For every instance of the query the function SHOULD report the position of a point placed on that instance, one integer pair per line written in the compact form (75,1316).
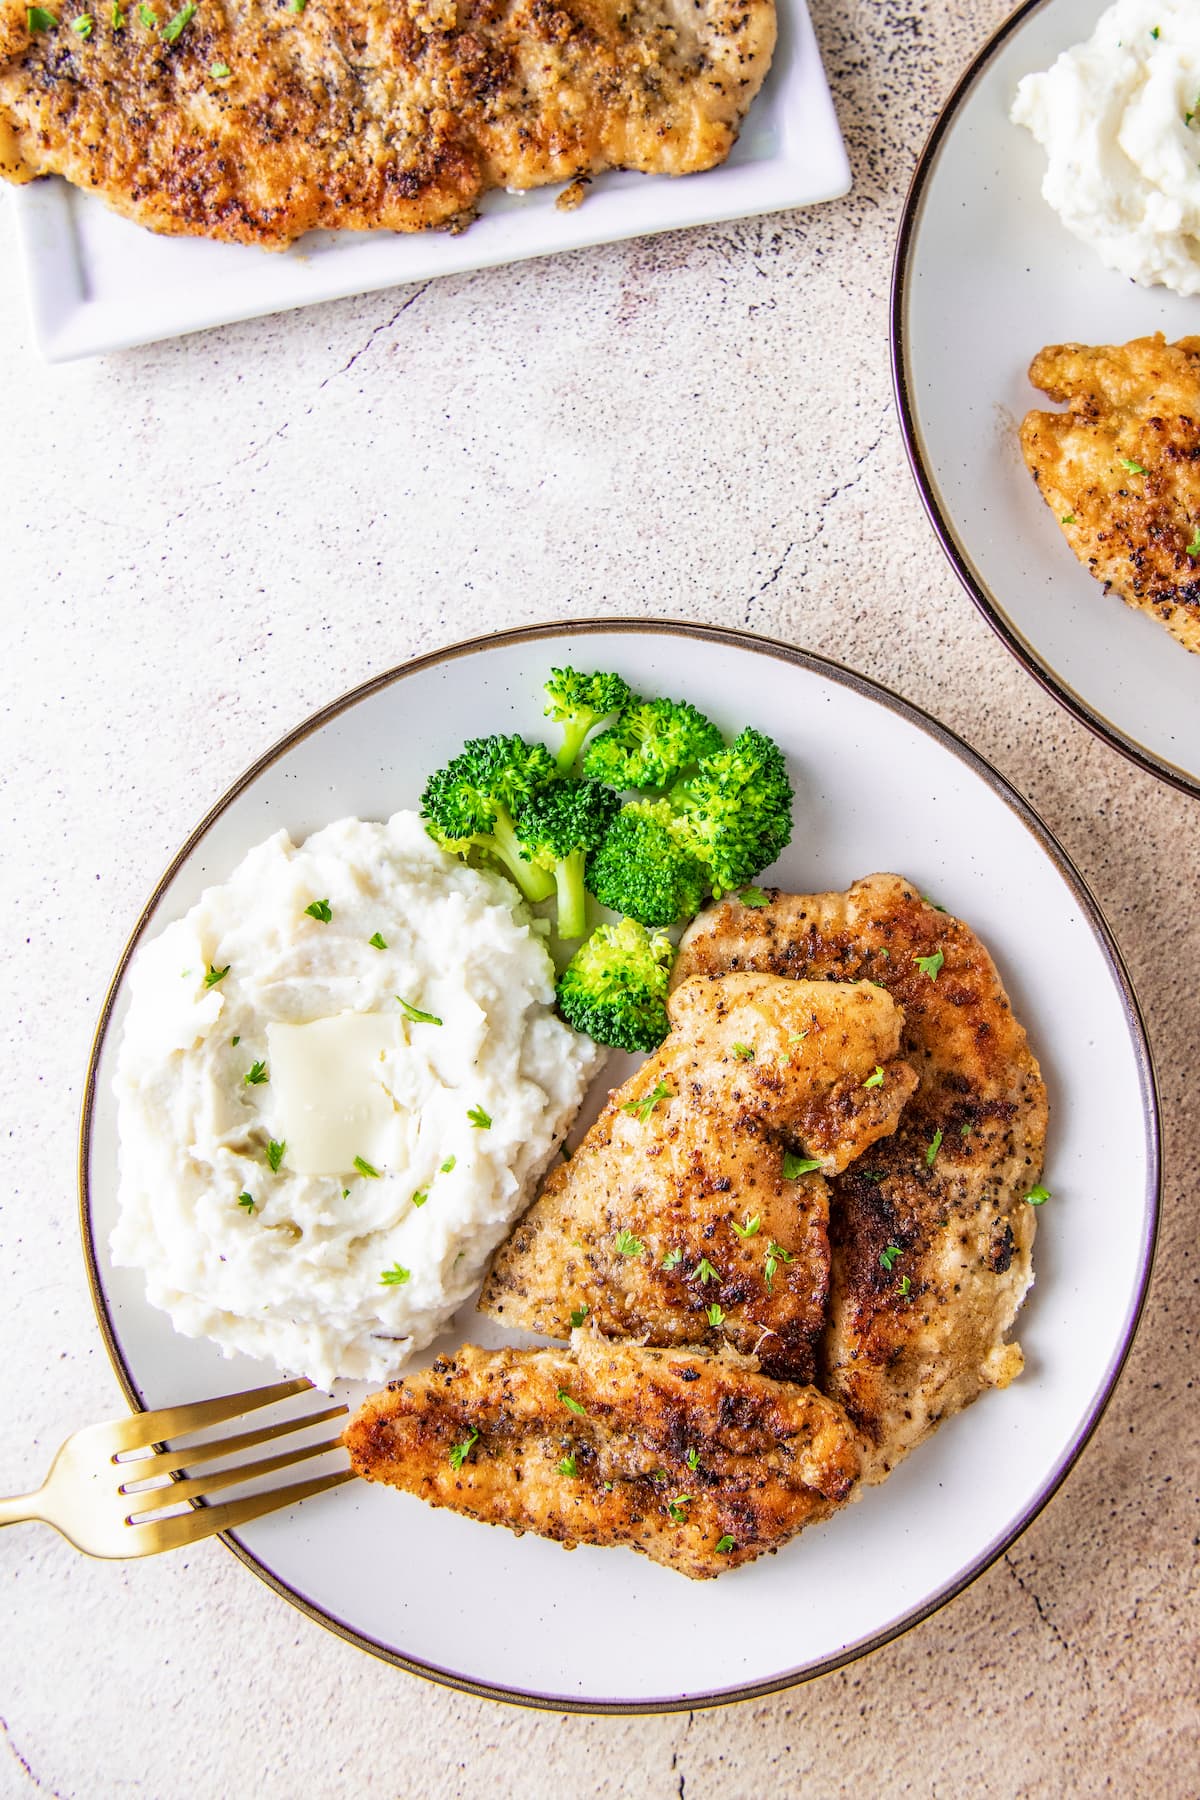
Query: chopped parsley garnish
(1154,31)
(477,1117)
(567,1466)
(1038,1196)
(364,1168)
(795,1166)
(776,1254)
(693,1460)
(678,1508)
(748,1227)
(396,1276)
(117,18)
(904,1289)
(934,1146)
(1134,468)
(235,1041)
(297,6)
(83,26)
(460,1452)
(415,1014)
(725,1544)
(628,1245)
(744,1052)
(705,1270)
(933,903)
(420,1197)
(754,896)
(930,965)
(716,1316)
(149,17)
(215,975)
(641,1109)
(578,1316)
(256,1074)
(220,71)
(966,1130)
(246,1200)
(447,1165)
(890,1255)
(275,1155)
(672,1259)
(570,1404)
(875,1080)
(316,909)
(377,939)
(172,31)
(1067,519)
(38,19)
(1193,548)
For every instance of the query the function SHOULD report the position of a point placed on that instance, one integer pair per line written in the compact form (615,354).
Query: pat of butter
(328,1094)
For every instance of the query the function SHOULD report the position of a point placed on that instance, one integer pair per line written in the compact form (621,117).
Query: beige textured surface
(201,542)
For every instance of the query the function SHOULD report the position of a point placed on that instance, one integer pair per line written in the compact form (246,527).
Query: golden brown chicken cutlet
(1120,468)
(693,1459)
(930,1233)
(695,1210)
(259,121)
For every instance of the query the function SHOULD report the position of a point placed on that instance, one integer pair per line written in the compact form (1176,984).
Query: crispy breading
(357,114)
(696,1460)
(1120,469)
(674,1220)
(942,1200)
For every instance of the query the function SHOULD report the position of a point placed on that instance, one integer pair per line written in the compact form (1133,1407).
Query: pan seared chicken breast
(695,1209)
(694,1459)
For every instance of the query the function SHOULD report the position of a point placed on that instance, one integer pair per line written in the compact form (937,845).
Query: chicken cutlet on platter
(930,1234)
(695,1459)
(1120,468)
(695,1210)
(256,122)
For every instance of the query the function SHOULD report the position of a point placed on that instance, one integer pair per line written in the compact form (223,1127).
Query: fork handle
(22,1509)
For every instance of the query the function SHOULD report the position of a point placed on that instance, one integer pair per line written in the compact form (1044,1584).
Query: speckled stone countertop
(203,541)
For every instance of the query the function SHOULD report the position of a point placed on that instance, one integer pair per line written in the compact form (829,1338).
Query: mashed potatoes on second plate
(327,1123)
(1119,119)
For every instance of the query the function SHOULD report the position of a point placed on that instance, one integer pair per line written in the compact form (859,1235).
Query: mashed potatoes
(1119,118)
(311,1170)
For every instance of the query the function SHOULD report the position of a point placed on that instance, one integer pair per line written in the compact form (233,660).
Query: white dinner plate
(880,786)
(985,276)
(97,282)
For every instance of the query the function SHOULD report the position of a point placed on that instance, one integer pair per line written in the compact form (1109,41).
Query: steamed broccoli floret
(472,804)
(735,811)
(651,743)
(615,986)
(646,868)
(559,825)
(578,702)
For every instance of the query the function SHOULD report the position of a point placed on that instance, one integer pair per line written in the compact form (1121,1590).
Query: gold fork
(107,1482)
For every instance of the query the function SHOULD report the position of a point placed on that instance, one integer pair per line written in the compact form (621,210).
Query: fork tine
(205,1521)
(144,1467)
(172,1492)
(142,1429)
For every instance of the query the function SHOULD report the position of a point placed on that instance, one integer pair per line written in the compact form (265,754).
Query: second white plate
(879,786)
(97,282)
(985,276)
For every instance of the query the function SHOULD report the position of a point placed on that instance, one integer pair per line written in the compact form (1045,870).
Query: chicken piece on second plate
(695,1209)
(1120,469)
(694,1459)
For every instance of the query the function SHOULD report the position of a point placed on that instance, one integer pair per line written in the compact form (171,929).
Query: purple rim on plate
(910,219)
(1092,916)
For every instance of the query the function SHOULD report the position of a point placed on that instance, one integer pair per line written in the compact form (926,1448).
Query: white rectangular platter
(96,282)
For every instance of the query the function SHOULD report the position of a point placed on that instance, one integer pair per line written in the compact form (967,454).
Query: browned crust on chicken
(767,1458)
(680,1226)
(1120,469)
(906,1346)
(357,114)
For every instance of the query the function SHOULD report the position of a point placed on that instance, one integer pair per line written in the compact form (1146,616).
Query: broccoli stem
(505,846)
(574,731)
(572,899)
